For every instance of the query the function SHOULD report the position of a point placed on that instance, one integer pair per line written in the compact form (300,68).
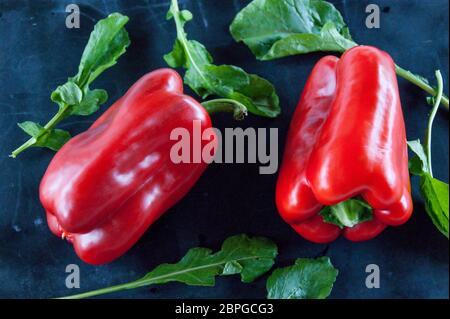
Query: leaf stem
(29,143)
(149,281)
(416,80)
(226,105)
(58,117)
(104,291)
(440,88)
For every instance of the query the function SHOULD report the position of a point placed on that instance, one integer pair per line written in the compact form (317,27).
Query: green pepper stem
(416,80)
(226,105)
(348,213)
(438,98)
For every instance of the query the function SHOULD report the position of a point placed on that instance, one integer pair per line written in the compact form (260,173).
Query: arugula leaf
(277,28)
(329,39)
(348,213)
(418,164)
(53,139)
(68,93)
(239,255)
(92,99)
(248,257)
(434,191)
(436,197)
(306,279)
(107,42)
(274,28)
(233,83)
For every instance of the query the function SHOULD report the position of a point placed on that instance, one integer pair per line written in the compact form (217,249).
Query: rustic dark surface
(37,53)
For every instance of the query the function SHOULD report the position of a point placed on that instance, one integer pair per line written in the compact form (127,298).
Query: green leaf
(306,279)
(250,257)
(278,28)
(227,81)
(197,76)
(259,96)
(418,164)
(31,128)
(107,43)
(436,195)
(90,103)
(329,39)
(231,268)
(69,94)
(52,139)
(186,16)
(176,58)
(55,139)
(255,256)
(348,213)
(434,192)
(191,270)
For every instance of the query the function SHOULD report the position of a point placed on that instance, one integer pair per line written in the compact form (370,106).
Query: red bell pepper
(347,139)
(106,186)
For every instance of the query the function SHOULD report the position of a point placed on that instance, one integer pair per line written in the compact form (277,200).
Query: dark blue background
(37,53)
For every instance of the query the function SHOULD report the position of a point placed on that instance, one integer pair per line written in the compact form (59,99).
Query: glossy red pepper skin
(347,138)
(106,186)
